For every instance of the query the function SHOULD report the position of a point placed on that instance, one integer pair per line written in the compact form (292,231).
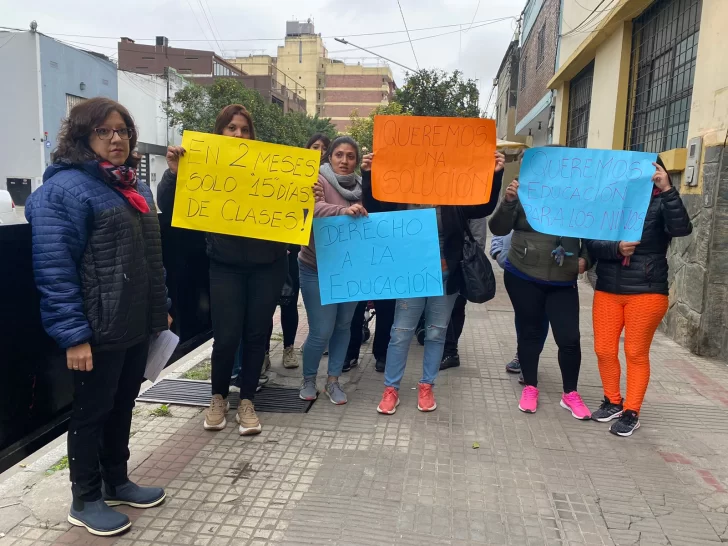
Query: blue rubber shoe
(98,518)
(133,495)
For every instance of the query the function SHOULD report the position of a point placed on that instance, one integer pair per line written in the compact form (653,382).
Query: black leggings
(532,302)
(98,433)
(382,329)
(455,328)
(289,310)
(242,303)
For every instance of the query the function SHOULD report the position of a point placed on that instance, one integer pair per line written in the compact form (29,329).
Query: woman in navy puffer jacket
(97,261)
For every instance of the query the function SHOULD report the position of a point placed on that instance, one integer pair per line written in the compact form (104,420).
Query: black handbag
(478,278)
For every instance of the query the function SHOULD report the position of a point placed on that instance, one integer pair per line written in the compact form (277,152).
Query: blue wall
(62,69)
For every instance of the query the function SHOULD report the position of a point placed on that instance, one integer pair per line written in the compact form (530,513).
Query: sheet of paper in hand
(245,187)
(388,255)
(585,193)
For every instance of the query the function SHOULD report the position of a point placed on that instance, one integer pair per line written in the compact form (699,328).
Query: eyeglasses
(125,133)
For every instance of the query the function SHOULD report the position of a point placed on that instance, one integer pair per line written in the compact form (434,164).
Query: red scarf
(124,180)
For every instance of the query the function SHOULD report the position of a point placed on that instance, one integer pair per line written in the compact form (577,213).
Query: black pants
(98,432)
(455,328)
(382,329)
(242,303)
(289,310)
(532,303)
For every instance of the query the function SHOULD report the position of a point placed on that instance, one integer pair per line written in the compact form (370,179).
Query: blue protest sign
(585,193)
(388,255)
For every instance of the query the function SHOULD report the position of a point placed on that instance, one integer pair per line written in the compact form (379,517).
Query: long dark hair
(73,138)
(227,114)
(319,136)
(339,141)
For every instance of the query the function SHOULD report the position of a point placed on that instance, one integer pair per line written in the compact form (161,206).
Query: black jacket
(647,270)
(97,261)
(453,225)
(226,249)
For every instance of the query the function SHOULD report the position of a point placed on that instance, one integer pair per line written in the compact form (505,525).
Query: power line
(198,24)
(408,35)
(209,25)
(425,37)
(593,12)
(474,15)
(476,23)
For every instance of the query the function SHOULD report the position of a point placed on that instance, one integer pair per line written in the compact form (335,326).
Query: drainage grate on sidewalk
(188,392)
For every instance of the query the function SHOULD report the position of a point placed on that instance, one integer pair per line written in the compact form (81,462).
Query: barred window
(580,93)
(541,52)
(524,64)
(71,101)
(662,69)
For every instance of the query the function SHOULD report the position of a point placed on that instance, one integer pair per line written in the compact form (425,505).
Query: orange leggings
(639,315)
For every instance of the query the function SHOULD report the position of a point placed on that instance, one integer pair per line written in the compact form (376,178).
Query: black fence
(36,388)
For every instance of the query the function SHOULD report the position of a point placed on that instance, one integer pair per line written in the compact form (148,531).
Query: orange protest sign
(433,161)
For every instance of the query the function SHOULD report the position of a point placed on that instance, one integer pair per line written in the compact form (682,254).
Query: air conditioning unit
(162,41)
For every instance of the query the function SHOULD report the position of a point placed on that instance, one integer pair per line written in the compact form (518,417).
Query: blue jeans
(438,310)
(327,325)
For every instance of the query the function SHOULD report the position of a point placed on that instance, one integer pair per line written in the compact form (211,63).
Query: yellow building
(651,75)
(333,89)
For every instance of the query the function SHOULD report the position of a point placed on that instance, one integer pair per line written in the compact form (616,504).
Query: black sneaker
(608,411)
(452,361)
(380,365)
(350,364)
(627,424)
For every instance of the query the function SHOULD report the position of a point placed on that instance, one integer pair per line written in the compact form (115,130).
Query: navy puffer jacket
(97,261)
(647,270)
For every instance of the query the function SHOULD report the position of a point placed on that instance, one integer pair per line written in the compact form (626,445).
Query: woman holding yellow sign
(246,277)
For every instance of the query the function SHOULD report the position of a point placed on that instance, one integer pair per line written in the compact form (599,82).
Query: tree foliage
(362,129)
(437,93)
(195,108)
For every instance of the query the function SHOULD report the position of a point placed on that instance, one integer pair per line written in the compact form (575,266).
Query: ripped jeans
(406,316)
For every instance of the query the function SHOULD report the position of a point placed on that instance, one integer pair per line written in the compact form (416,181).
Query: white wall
(21,148)
(144,95)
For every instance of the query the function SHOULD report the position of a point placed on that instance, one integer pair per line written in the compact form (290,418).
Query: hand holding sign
(244,187)
(585,193)
(433,161)
(387,255)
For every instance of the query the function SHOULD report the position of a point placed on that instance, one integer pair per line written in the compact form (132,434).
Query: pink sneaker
(573,402)
(529,400)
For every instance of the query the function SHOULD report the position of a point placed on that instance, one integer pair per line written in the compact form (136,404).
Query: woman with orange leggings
(631,295)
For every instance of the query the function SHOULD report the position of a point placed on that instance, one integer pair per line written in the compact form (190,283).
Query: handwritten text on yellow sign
(246,188)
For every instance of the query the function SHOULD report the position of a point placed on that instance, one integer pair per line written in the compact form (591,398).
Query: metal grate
(187,392)
(662,69)
(71,101)
(580,92)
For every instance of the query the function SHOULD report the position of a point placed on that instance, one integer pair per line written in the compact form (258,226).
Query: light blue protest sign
(388,255)
(586,193)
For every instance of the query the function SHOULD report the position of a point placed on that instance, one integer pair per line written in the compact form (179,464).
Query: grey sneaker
(335,393)
(308,389)
(290,360)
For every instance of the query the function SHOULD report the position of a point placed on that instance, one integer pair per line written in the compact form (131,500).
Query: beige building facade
(332,88)
(651,75)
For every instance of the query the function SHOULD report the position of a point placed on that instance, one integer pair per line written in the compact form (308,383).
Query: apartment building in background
(539,43)
(651,76)
(506,81)
(333,88)
(204,67)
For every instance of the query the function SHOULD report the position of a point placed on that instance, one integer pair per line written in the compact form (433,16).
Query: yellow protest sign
(245,187)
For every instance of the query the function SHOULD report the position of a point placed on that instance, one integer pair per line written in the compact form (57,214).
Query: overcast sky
(246,27)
